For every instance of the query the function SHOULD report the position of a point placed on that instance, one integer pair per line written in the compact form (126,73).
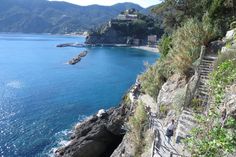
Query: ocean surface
(42,97)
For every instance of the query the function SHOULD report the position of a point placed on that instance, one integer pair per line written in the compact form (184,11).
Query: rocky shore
(98,136)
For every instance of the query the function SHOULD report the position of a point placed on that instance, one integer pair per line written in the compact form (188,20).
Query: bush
(222,57)
(196,105)
(164,109)
(137,124)
(187,41)
(224,75)
(164,45)
(151,80)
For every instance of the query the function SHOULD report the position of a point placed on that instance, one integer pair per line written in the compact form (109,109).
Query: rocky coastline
(98,136)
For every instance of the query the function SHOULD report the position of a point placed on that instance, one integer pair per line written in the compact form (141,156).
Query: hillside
(42,16)
(129,27)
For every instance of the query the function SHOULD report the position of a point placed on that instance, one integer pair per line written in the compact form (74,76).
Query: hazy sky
(143,3)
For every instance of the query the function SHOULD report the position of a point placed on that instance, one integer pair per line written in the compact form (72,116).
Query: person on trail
(170,130)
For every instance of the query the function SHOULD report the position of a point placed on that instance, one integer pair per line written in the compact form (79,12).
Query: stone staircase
(186,123)
(205,68)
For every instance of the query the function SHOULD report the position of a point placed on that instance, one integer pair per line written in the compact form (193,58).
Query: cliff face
(109,36)
(98,136)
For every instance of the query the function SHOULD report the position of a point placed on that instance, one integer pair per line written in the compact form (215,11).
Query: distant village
(128,16)
(118,31)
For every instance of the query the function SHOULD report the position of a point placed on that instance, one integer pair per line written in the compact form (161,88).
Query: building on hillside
(136,42)
(127,17)
(152,40)
(129,14)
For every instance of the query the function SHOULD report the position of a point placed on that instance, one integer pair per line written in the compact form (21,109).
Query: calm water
(41,97)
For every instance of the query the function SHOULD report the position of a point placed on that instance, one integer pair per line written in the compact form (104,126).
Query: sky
(143,3)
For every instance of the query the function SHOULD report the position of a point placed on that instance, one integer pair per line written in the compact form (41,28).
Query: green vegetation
(224,75)
(138,28)
(229,54)
(163,111)
(138,126)
(165,45)
(188,24)
(211,139)
(178,53)
(152,80)
(174,12)
(215,138)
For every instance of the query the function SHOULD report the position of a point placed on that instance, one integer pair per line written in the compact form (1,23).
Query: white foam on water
(14,84)
(63,135)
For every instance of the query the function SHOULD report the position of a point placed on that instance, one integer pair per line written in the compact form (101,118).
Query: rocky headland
(99,135)
(129,27)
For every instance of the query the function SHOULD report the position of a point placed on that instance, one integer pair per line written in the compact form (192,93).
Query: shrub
(163,111)
(222,57)
(210,139)
(137,124)
(187,41)
(151,80)
(224,75)
(196,105)
(182,63)
(164,45)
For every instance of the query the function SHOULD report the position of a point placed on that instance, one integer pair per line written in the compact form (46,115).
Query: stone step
(188,112)
(202,89)
(200,94)
(187,118)
(210,57)
(185,122)
(203,86)
(204,73)
(203,82)
(203,77)
(205,68)
(204,92)
(208,65)
(205,61)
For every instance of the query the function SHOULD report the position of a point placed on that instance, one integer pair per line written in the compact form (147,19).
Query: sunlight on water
(41,98)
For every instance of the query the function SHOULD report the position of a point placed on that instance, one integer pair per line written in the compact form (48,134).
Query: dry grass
(137,125)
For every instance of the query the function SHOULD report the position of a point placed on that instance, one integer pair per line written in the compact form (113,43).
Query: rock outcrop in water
(74,60)
(98,136)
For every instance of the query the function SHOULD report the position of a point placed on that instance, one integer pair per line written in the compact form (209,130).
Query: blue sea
(42,97)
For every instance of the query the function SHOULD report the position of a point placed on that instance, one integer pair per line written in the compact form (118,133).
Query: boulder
(98,136)
(230,35)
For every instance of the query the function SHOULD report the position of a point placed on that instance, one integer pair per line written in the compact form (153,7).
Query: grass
(138,124)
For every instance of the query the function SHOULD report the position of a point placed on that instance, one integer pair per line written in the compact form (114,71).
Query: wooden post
(203,49)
